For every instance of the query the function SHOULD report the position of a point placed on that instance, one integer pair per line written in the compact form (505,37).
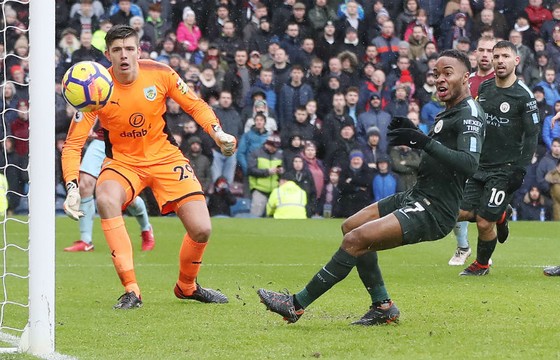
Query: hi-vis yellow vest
(265,184)
(287,202)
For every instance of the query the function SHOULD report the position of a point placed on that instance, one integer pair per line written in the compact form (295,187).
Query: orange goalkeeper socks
(190,259)
(121,252)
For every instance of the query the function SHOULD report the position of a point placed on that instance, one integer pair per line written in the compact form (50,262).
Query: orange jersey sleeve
(135,130)
(72,151)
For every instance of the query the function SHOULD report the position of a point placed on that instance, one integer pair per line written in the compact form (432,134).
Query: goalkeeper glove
(515,180)
(226,142)
(72,203)
(400,122)
(409,137)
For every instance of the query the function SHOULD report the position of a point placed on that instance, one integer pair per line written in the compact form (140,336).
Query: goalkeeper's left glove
(226,142)
(72,203)
(409,137)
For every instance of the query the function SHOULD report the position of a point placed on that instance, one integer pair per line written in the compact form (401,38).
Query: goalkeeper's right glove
(72,203)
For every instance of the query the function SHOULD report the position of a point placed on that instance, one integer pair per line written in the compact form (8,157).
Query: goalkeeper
(141,152)
(426,212)
(89,172)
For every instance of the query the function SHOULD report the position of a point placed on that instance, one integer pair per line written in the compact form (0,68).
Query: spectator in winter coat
(337,151)
(387,45)
(292,149)
(261,106)
(548,132)
(230,120)
(329,205)
(221,199)
(550,86)
(538,14)
(399,105)
(355,185)
(549,25)
(300,175)
(199,162)
(251,141)
(293,94)
(377,117)
(265,84)
(315,167)
(531,206)
(549,162)
(264,169)
(372,151)
(385,182)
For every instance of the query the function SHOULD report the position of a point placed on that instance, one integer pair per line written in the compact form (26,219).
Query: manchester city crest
(504,107)
(150,93)
(438,126)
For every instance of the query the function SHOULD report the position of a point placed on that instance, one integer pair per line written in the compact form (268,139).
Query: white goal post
(38,336)
(41,324)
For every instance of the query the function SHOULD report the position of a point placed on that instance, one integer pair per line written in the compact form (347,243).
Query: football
(87,86)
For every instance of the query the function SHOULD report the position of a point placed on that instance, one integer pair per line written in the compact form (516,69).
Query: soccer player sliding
(428,211)
(141,153)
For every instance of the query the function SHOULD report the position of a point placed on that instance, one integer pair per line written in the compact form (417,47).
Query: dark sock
(484,250)
(336,270)
(370,274)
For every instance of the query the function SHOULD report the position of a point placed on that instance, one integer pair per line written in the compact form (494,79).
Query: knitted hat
(356,153)
(187,11)
(382,12)
(406,77)
(374,95)
(460,15)
(374,130)
(383,158)
(194,139)
(335,170)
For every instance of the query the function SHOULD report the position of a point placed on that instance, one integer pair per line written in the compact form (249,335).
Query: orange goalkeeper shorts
(173,183)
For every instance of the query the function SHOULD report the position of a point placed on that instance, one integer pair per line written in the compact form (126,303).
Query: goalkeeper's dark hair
(504,44)
(459,55)
(120,32)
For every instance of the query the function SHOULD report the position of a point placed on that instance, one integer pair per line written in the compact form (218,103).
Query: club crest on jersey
(150,93)
(78,117)
(504,107)
(182,86)
(438,127)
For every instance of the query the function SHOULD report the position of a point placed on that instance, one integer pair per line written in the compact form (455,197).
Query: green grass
(511,314)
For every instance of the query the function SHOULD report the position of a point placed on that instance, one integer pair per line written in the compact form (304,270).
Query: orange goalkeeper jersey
(136,132)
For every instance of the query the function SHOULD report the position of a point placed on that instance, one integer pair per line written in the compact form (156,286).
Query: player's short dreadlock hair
(120,32)
(504,44)
(459,55)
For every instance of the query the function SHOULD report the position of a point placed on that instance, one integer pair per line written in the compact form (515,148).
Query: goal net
(27,184)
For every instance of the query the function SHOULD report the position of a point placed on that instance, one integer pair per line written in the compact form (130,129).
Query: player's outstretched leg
(502,226)
(128,300)
(137,208)
(383,312)
(87,206)
(463,250)
(282,304)
(333,272)
(552,271)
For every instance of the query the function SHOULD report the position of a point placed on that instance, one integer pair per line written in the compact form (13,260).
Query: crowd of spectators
(308,87)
